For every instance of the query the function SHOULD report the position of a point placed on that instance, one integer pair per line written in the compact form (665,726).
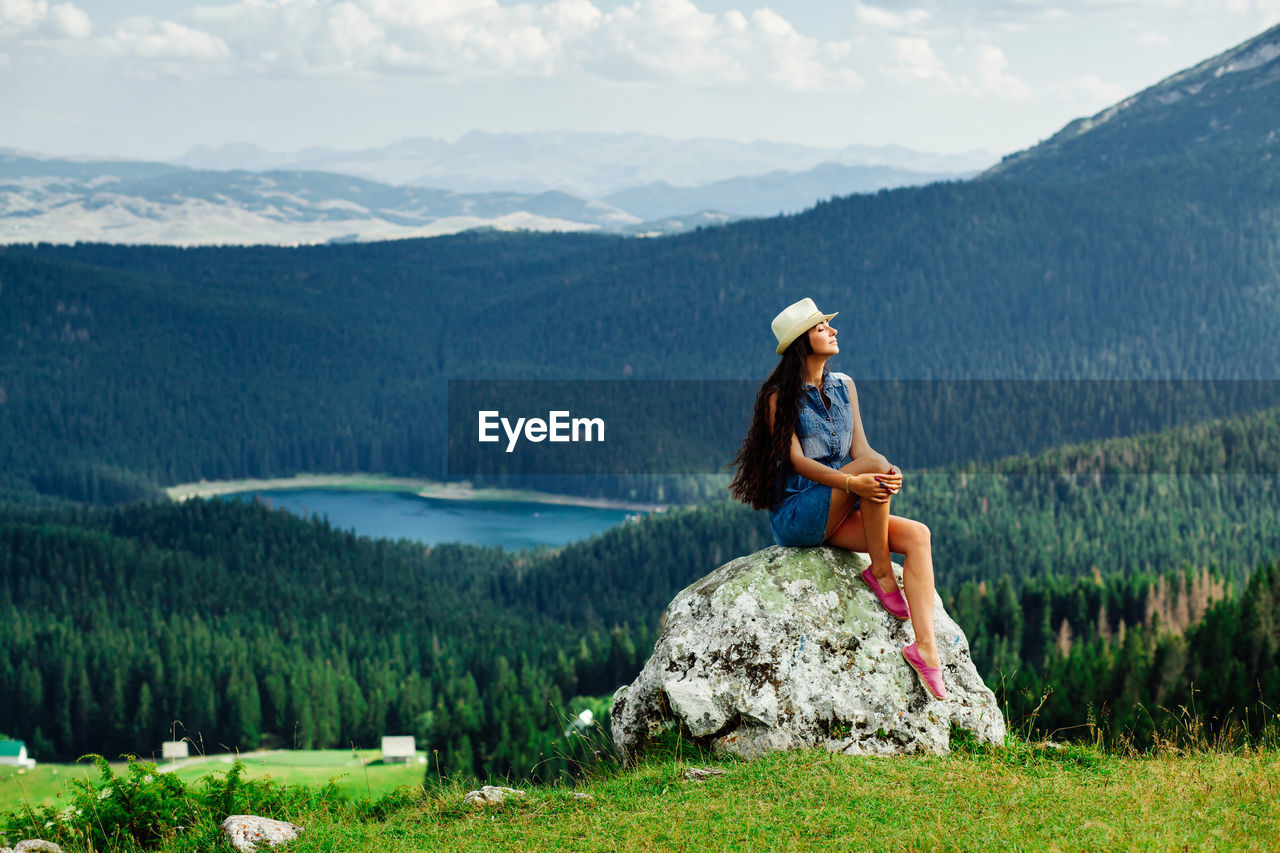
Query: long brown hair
(764,460)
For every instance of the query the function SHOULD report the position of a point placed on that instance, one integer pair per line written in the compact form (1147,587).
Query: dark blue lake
(513,525)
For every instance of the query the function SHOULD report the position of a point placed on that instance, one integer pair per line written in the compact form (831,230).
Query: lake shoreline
(406,485)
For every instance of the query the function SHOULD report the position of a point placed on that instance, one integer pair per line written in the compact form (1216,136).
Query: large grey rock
(787,648)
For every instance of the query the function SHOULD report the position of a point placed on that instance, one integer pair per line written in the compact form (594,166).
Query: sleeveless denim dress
(800,517)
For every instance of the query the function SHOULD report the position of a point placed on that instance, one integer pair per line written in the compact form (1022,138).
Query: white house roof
(398,747)
(174,749)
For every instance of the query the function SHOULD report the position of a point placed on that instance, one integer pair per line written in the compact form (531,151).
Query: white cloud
(914,57)
(874,16)
(992,77)
(1090,91)
(36,18)
(148,38)
(1152,38)
(978,71)
(640,40)
(69,21)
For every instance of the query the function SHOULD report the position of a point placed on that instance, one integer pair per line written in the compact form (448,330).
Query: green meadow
(1024,796)
(356,773)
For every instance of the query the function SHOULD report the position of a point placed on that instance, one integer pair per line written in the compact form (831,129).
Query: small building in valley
(398,748)
(14,754)
(174,749)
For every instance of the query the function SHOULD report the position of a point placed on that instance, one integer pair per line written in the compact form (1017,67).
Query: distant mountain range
(588,165)
(769,194)
(117,201)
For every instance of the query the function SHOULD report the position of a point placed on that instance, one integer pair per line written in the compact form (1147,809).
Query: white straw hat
(795,319)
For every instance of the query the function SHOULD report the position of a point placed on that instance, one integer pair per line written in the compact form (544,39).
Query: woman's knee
(866,465)
(919,536)
(879,464)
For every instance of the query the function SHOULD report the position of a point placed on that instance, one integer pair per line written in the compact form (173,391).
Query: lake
(513,525)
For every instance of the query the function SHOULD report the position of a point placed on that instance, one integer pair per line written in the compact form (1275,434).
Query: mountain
(588,165)
(1232,99)
(61,201)
(172,365)
(45,199)
(776,192)
(123,365)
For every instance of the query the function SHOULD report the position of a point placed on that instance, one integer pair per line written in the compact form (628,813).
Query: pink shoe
(895,602)
(930,676)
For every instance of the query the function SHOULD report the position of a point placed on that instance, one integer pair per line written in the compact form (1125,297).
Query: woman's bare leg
(913,541)
(875,521)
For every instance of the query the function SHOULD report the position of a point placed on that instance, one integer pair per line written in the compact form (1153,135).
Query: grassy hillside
(1019,798)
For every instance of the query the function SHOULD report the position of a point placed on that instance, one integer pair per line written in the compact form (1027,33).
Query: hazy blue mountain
(61,200)
(590,165)
(1230,99)
(66,201)
(18,164)
(769,194)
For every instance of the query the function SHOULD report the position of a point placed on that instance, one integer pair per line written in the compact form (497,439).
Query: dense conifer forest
(1114,576)
(1098,576)
(127,368)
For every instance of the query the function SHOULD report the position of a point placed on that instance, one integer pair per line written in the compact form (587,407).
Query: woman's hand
(876,487)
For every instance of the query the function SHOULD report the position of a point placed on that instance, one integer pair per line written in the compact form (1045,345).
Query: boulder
(787,648)
(491,795)
(32,845)
(246,831)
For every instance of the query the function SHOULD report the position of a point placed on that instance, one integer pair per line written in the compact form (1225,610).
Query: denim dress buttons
(800,516)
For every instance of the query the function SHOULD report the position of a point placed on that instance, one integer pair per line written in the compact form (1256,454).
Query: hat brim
(800,328)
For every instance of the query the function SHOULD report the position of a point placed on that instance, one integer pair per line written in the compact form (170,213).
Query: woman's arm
(859,446)
(864,485)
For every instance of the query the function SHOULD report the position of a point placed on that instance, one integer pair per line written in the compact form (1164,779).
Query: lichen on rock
(787,648)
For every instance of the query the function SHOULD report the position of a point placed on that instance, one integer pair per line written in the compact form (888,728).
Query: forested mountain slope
(122,365)
(251,627)
(1228,100)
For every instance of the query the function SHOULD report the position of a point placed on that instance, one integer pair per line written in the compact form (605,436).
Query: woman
(806,459)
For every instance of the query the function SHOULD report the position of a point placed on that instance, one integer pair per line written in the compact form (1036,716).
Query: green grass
(354,777)
(1022,798)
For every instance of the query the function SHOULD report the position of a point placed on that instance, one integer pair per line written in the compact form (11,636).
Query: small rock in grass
(578,795)
(490,795)
(697,774)
(32,845)
(246,831)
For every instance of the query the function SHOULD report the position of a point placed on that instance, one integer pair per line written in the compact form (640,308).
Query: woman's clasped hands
(875,487)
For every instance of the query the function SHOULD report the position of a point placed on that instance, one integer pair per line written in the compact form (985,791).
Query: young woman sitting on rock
(806,459)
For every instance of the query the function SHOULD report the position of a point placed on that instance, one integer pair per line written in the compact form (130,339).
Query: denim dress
(800,517)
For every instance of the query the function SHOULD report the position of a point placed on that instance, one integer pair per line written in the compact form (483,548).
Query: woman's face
(822,339)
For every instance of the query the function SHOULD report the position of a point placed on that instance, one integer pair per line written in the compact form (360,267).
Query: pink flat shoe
(895,602)
(930,676)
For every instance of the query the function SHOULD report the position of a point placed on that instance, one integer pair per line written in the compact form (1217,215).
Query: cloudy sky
(147,78)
